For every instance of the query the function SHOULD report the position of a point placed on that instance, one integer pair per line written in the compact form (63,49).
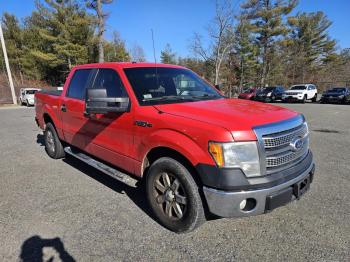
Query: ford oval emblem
(296,144)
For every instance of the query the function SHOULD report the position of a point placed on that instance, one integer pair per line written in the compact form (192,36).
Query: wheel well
(159,152)
(48,119)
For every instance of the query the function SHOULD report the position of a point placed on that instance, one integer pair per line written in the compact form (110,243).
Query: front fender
(177,141)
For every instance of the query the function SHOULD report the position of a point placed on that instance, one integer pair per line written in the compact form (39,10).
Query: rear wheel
(174,196)
(53,145)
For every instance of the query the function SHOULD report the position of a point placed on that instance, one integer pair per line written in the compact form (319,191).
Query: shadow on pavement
(136,194)
(33,250)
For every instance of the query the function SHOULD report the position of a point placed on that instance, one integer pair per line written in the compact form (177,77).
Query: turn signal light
(216,152)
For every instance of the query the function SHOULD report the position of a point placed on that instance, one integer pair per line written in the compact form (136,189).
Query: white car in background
(300,93)
(26,96)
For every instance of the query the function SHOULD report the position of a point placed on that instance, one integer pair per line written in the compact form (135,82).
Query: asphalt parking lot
(62,207)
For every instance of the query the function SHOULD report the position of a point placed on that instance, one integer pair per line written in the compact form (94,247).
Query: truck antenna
(155,60)
(154,49)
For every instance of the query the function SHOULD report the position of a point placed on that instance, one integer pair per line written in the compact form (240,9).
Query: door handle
(63,108)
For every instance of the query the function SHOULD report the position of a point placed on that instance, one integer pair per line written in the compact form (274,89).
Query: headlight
(269,94)
(243,155)
(341,96)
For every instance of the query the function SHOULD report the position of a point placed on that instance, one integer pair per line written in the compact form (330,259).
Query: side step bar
(114,173)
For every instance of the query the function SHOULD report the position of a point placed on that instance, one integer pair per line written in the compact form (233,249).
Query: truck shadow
(136,194)
(40,139)
(33,250)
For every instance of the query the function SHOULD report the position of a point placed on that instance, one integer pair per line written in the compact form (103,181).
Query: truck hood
(235,115)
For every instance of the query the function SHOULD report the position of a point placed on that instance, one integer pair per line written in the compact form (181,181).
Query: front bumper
(259,201)
(287,97)
(262,98)
(332,99)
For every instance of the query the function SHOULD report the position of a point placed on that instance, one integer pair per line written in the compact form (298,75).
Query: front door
(110,136)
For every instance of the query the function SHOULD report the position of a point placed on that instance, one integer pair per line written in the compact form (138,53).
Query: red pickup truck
(197,152)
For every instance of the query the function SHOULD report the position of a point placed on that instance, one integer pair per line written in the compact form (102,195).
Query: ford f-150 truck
(196,152)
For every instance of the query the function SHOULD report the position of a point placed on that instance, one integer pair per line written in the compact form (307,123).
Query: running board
(114,173)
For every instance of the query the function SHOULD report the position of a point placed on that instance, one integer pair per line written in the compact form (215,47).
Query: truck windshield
(164,85)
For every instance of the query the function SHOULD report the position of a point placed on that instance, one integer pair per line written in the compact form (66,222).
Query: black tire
(27,103)
(314,99)
(273,99)
(304,99)
(174,196)
(53,145)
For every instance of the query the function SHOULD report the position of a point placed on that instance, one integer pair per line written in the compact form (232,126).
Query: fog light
(243,204)
(247,204)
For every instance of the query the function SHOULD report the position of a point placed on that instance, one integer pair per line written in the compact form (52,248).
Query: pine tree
(167,56)
(115,51)
(310,43)
(266,19)
(65,33)
(247,53)
(14,43)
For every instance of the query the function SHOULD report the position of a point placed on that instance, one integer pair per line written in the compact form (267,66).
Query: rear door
(74,121)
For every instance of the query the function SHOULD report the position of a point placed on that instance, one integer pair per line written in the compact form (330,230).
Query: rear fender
(51,111)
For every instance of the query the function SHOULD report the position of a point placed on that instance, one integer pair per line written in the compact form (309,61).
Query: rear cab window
(79,82)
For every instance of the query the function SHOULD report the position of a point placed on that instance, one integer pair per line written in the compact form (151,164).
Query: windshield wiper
(205,96)
(163,98)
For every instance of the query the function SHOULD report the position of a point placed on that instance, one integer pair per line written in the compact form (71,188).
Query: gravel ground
(50,208)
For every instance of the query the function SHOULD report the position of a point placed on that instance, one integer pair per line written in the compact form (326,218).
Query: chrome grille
(292,93)
(284,138)
(278,149)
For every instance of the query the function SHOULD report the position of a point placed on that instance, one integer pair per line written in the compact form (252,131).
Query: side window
(78,83)
(109,79)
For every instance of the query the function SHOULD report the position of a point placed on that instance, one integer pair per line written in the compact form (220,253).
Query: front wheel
(174,196)
(304,99)
(314,99)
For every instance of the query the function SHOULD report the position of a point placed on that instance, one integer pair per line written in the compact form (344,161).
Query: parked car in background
(26,96)
(337,95)
(248,94)
(300,93)
(269,94)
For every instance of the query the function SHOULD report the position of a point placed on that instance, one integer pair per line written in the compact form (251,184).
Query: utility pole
(14,100)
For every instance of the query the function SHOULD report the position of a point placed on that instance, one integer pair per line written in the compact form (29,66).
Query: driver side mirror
(97,102)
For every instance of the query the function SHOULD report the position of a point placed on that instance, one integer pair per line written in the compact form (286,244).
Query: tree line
(253,43)
(260,43)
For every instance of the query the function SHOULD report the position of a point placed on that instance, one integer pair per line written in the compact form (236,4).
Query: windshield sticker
(147,96)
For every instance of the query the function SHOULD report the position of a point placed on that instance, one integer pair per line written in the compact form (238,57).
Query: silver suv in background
(300,93)
(26,96)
